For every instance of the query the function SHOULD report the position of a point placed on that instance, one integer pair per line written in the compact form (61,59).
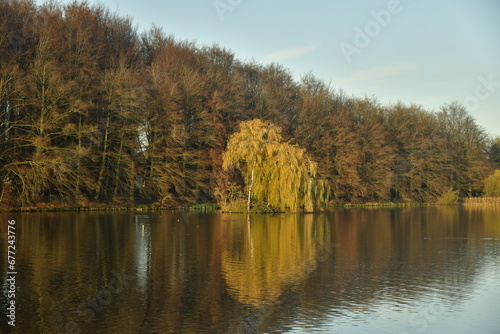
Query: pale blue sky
(427,52)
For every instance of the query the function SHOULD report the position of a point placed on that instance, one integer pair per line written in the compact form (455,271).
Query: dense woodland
(93,111)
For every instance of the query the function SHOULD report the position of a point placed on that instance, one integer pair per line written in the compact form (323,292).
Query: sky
(420,52)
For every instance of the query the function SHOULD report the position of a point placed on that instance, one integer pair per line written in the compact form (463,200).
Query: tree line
(91,110)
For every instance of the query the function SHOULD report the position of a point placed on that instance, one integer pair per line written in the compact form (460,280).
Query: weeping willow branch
(276,173)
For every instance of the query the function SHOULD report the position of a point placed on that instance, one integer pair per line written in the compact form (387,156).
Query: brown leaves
(80,87)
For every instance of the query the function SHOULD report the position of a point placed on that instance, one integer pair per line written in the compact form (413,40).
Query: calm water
(409,270)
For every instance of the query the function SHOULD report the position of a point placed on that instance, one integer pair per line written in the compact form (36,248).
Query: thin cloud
(381,72)
(291,53)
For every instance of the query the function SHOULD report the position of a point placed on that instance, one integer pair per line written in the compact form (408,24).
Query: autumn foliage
(276,174)
(492,185)
(91,110)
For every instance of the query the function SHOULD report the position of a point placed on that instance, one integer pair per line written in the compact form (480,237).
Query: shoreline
(196,207)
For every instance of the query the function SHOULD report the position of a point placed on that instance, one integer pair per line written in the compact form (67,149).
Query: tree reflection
(225,274)
(264,257)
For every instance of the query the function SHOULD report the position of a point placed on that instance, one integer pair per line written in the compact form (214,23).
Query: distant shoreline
(468,202)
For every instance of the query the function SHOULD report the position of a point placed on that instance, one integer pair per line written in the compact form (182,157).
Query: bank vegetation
(93,111)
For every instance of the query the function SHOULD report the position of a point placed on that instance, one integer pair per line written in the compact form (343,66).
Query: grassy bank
(234,208)
(482,201)
(44,207)
(377,205)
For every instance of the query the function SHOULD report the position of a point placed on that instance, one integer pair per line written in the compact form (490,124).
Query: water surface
(404,270)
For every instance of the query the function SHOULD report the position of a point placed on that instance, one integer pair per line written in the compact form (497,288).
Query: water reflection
(347,271)
(263,257)
(142,242)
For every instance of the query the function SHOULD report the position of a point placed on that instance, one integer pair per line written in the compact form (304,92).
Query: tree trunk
(250,186)
(103,163)
(117,172)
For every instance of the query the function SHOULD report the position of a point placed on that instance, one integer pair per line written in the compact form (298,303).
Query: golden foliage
(263,259)
(276,173)
(448,198)
(492,185)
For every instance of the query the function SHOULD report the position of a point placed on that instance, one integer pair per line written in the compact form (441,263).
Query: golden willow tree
(492,185)
(275,173)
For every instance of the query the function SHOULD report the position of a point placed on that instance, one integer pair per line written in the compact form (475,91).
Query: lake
(399,270)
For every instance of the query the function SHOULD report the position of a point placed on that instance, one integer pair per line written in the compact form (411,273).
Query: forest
(94,111)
